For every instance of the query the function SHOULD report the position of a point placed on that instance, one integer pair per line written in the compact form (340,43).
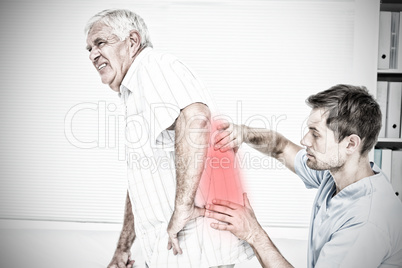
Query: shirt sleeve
(360,245)
(175,88)
(311,178)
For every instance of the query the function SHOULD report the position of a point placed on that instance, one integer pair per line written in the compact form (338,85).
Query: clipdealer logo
(111,125)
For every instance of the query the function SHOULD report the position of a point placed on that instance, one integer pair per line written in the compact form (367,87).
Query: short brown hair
(351,110)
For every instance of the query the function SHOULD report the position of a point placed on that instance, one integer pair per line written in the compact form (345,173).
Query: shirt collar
(126,86)
(364,186)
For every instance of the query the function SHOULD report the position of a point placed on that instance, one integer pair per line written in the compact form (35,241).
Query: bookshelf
(389,143)
(390,73)
(388,150)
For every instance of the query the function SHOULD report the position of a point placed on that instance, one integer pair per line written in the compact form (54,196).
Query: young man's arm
(242,222)
(121,257)
(266,141)
(191,148)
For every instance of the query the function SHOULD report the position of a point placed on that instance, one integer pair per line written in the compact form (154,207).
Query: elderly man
(168,123)
(356,218)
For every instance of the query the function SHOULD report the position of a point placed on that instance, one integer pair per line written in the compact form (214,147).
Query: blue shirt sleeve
(311,178)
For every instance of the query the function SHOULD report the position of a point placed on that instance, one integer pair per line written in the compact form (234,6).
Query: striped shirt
(156,87)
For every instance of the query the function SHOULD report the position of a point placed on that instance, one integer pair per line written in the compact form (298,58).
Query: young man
(356,218)
(167,123)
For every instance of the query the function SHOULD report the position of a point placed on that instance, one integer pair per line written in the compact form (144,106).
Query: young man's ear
(135,43)
(354,142)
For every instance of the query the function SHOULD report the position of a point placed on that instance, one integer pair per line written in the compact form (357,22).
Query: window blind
(61,156)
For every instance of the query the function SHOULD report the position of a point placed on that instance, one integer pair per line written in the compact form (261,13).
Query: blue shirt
(361,226)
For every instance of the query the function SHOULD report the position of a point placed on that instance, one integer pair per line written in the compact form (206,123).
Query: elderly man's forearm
(127,234)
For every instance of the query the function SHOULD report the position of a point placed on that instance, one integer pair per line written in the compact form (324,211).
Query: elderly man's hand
(230,136)
(121,259)
(239,220)
(181,216)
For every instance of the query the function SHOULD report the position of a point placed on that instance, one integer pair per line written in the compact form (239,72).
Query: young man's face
(323,150)
(109,55)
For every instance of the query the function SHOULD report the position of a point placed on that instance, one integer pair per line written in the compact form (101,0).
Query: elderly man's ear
(135,43)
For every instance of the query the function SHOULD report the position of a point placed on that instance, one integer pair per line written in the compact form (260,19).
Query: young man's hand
(230,136)
(238,219)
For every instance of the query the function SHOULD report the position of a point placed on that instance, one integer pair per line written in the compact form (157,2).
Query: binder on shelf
(378,157)
(384,45)
(399,67)
(386,163)
(396,173)
(393,55)
(382,99)
(393,127)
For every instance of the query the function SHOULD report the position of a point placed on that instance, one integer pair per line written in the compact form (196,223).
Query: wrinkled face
(110,56)
(323,150)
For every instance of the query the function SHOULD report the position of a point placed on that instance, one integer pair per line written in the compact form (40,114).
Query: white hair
(121,21)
